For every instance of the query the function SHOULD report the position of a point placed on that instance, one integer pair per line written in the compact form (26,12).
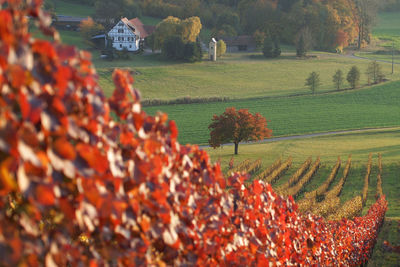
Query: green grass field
(377,106)
(386,35)
(237,76)
(359,145)
(388,24)
(385,57)
(72,8)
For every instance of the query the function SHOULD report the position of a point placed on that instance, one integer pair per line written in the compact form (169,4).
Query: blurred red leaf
(64,149)
(93,157)
(45,194)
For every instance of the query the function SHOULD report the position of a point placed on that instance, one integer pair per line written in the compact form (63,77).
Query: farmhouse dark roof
(149,29)
(239,40)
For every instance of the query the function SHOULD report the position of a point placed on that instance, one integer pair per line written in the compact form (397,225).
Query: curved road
(352,55)
(303,136)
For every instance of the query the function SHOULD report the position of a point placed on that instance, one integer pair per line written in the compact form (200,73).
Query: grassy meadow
(372,107)
(239,75)
(68,8)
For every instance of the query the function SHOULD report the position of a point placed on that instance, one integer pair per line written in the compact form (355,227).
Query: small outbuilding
(212,50)
(239,43)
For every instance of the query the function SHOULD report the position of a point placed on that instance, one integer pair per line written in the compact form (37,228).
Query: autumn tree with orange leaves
(236,126)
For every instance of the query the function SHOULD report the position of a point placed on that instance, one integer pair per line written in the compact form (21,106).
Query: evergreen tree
(268,48)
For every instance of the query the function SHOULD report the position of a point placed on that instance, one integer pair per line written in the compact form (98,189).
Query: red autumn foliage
(78,187)
(236,126)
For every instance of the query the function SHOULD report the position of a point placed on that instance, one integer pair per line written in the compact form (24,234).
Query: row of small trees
(374,76)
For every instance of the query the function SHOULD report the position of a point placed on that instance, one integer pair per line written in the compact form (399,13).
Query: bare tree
(365,11)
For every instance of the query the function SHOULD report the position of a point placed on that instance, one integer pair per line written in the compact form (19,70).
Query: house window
(121,30)
(120,46)
(130,46)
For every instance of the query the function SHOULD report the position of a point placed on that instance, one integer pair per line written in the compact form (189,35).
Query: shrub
(221,48)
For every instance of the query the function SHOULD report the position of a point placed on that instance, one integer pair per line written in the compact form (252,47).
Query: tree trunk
(236,148)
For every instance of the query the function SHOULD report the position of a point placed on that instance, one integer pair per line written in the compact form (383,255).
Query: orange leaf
(63,148)
(145,223)
(126,138)
(151,146)
(173,129)
(45,195)
(67,209)
(93,157)
(58,105)
(7,182)
(62,76)
(24,105)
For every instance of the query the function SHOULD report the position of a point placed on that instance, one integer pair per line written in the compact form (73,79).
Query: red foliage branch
(79,186)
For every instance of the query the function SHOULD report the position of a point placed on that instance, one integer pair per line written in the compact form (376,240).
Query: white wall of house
(124,37)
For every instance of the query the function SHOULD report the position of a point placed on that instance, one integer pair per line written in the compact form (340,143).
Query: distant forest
(333,24)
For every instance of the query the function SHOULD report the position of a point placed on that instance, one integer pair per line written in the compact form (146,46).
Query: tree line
(333,24)
(374,76)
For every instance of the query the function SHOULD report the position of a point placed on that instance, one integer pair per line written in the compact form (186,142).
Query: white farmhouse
(128,34)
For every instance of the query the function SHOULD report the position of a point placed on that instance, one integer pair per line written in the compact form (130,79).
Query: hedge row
(366,180)
(295,190)
(310,198)
(296,176)
(379,191)
(337,189)
(278,172)
(264,174)
(348,210)
(325,185)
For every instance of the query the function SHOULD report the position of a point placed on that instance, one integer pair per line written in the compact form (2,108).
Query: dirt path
(304,136)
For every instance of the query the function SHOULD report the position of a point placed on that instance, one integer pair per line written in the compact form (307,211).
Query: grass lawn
(386,57)
(377,106)
(72,8)
(359,145)
(239,75)
(388,24)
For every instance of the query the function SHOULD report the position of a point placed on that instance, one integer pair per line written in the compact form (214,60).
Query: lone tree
(353,77)
(313,81)
(374,73)
(337,79)
(236,126)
